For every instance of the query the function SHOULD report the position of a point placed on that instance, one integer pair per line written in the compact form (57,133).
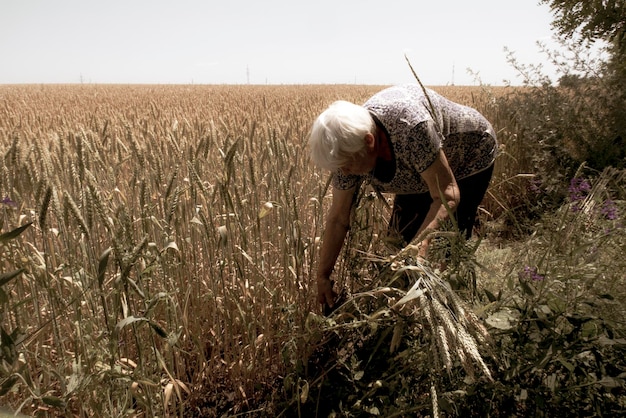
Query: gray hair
(337,135)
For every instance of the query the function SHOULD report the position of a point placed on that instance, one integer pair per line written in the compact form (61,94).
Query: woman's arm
(337,226)
(442,187)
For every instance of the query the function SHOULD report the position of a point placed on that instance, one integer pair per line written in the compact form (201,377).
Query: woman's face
(363,164)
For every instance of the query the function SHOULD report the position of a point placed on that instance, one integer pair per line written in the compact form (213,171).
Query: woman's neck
(383,145)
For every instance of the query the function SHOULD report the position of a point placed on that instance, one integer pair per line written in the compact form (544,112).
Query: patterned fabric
(417,133)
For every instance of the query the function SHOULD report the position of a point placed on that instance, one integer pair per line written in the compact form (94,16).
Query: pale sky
(268,41)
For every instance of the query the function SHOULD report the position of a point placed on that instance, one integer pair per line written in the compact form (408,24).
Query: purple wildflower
(530,273)
(535,185)
(7,201)
(578,190)
(609,210)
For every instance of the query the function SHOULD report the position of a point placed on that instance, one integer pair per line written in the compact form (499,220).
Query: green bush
(558,325)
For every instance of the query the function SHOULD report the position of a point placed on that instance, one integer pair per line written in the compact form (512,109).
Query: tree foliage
(592,19)
(588,22)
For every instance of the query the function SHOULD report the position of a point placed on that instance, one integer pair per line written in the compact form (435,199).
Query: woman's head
(337,135)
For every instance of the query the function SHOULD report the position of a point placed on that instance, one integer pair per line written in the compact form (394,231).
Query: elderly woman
(433,154)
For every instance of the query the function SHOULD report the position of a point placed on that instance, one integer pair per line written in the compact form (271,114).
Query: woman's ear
(370,141)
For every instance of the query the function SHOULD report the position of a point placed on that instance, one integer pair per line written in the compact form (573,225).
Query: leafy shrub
(559,325)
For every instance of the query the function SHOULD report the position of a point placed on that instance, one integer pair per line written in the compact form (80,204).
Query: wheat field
(169,243)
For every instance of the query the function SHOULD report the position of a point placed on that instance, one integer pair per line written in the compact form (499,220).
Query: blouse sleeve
(345,182)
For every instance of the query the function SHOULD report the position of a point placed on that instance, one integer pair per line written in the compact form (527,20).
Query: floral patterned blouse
(417,132)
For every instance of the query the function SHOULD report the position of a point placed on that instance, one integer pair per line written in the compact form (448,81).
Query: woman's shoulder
(400,92)
(403,103)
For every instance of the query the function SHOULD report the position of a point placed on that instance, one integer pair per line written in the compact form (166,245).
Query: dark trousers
(409,210)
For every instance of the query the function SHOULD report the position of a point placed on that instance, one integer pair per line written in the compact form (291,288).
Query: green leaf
(132,319)
(490,296)
(610,382)
(589,329)
(527,288)
(154,301)
(136,287)
(53,401)
(557,305)
(127,321)
(7,236)
(577,319)
(7,277)
(569,366)
(501,320)
(546,359)
(102,265)
(8,352)
(158,329)
(8,384)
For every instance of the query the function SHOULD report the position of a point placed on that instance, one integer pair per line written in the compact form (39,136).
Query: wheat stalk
(43,211)
(70,205)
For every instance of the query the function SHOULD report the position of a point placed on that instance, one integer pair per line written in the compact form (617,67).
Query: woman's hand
(337,225)
(325,293)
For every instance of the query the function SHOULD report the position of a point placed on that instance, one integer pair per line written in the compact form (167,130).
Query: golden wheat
(160,246)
